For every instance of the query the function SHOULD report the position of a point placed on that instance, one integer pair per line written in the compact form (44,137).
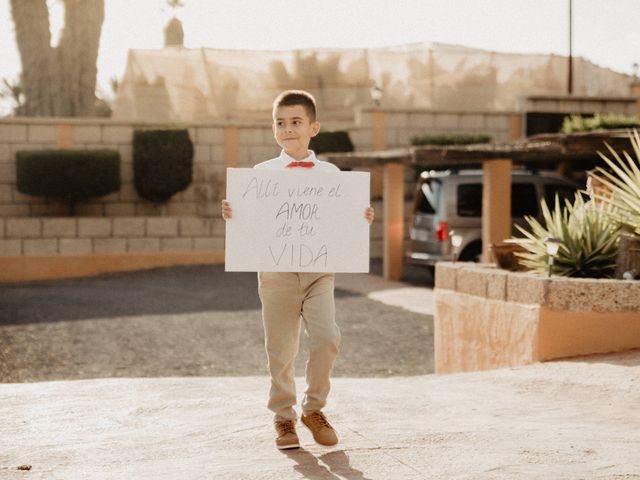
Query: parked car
(447,201)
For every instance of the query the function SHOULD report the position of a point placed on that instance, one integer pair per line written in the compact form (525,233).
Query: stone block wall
(33,236)
(402,125)
(86,235)
(199,199)
(578,104)
(124,222)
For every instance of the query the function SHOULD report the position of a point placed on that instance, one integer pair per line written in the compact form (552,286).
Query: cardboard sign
(297,221)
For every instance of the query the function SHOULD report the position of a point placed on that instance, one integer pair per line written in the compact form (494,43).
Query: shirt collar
(286,159)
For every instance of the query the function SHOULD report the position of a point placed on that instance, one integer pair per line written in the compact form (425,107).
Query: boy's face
(293,129)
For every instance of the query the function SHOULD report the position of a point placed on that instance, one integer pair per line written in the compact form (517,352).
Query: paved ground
(562,420)
(192,337)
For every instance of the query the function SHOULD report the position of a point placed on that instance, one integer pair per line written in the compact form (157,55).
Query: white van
(445,201)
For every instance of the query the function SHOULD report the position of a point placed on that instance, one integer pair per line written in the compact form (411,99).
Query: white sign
(297,221)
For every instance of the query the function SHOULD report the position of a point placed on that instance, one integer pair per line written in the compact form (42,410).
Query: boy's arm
(226,210)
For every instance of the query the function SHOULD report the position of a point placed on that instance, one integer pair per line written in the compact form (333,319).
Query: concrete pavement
(562,420)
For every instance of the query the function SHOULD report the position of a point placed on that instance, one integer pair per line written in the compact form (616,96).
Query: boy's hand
(226,210)
(369,215)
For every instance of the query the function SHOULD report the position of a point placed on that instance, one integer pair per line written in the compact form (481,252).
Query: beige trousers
(287,298)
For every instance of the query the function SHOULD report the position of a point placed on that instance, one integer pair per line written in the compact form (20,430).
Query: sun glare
(56,20)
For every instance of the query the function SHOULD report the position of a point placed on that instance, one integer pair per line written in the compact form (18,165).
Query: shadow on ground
(332,465)
(174,290)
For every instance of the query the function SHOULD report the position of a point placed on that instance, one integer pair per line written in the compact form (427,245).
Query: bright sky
(606,33)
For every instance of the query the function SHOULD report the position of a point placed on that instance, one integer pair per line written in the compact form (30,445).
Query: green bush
(452,139)
(588,240)
(622,178)
(162,163)
(612,121)
(338,141)
(68,174)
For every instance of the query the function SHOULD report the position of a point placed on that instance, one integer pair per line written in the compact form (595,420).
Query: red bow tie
(301,164)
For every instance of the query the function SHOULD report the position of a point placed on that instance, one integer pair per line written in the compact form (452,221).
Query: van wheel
(472,253)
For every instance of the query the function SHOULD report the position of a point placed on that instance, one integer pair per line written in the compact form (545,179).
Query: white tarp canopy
(194,85)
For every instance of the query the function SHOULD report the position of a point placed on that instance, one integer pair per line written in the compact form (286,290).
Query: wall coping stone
(555,293)
(446,112)
(108,122)
(103,121)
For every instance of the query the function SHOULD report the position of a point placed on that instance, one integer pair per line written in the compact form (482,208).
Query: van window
(563,192)
(428,197)
(523,200)
(470,200)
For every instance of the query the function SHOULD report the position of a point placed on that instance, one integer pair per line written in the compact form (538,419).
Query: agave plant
(623,182)
(588,240)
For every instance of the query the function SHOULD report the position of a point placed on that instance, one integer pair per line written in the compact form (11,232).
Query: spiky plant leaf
(588,239)
(623,182)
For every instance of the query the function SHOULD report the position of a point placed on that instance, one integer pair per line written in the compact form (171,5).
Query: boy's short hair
(290,98)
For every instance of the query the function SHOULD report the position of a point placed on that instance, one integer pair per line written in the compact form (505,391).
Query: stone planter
(490,318)
(628,260)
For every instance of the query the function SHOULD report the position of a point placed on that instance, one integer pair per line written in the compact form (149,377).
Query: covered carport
(569,155)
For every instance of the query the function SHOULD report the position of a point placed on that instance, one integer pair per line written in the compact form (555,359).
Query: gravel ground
(186,321)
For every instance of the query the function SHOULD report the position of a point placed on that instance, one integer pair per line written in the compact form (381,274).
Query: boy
(288,297)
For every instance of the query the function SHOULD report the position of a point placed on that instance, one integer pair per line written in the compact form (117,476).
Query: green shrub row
(338,141)
(609,121)
(71,175)
(451,139)
(162,163)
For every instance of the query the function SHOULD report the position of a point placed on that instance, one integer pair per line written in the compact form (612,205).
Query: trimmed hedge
(162,163)
(68,174)
(452,139)
(338,141)
(610,121)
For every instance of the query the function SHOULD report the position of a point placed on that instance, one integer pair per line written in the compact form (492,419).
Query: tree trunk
(31,20)
(58,81)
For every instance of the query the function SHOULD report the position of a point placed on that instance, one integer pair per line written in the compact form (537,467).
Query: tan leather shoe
(287,437)
(322,431)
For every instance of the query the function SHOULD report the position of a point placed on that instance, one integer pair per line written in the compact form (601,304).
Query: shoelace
(319,420)
(285,427)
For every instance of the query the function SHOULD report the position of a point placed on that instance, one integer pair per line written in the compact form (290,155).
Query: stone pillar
(393,217)
(635,92)
(378,130)
(516,126)
(496,203)
(231,147)
(377,181)
(64,136)
(231,150)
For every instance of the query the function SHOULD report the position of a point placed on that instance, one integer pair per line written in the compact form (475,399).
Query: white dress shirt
(281,162)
